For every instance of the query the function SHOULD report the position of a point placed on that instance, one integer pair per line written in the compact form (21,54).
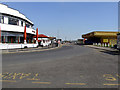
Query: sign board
(105,40)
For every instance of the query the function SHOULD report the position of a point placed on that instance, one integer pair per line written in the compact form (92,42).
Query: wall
(15,46)
(15,28)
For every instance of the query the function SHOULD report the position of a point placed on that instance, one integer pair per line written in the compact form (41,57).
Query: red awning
(41,36)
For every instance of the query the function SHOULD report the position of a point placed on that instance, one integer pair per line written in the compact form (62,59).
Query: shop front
(102,37)
(12,37)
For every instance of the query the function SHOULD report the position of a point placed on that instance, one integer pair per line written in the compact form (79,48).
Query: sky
(69,20)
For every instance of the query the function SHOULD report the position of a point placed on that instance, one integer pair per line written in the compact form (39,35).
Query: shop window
(13,21)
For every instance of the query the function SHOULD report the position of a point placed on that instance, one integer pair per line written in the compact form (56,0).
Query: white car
(45,43)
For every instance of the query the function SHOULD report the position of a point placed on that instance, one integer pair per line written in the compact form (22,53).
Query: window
(1,19)
(13,21)
(27,25)
(21,23)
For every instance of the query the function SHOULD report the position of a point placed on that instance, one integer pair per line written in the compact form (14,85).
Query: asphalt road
(67,67)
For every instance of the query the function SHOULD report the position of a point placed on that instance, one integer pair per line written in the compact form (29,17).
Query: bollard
(112,45)
(105,44)
(96,44)
(102,44)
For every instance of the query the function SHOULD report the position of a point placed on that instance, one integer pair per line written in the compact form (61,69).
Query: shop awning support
(37,36)
(25,35)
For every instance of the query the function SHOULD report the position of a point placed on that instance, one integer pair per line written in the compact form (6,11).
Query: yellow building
(101,37)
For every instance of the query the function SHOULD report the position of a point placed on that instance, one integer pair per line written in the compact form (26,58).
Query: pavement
(103,48)
(71,66)
(37,49)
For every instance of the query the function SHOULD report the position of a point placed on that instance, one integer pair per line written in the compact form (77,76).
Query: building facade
(12,25)
(103,37)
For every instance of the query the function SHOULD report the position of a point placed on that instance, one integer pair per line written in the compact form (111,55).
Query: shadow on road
(111,52)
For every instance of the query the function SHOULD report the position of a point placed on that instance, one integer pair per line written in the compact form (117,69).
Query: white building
(12,24)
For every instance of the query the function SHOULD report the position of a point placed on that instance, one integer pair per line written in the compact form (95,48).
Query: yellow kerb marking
(111,84)
(75,83)
(42,82)
(7,80)
(118,75)
(109,77)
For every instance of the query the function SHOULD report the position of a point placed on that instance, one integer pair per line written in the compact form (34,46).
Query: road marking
(118,75)
(109,77)
(75,83)
(24,75)
(34,78)
(8,80)
(109,84)
(42,82)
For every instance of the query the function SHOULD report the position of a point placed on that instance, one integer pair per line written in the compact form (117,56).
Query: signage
(105,40)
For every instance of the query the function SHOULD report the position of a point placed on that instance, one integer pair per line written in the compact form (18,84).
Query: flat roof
(100,34)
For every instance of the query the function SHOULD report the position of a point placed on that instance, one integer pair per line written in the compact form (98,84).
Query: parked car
(44,43)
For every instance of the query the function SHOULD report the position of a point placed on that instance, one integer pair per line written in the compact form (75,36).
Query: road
(71,66)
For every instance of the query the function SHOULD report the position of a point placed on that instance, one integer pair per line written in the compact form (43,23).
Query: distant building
(101,37)
(43,40)
(80,41)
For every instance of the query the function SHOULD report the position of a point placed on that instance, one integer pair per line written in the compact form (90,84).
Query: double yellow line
(110,84)
(75,83)
(42,82)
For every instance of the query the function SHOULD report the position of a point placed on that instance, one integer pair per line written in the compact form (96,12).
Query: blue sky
(70,19)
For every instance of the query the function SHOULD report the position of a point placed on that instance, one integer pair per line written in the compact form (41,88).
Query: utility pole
(65,38)
(58,34)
